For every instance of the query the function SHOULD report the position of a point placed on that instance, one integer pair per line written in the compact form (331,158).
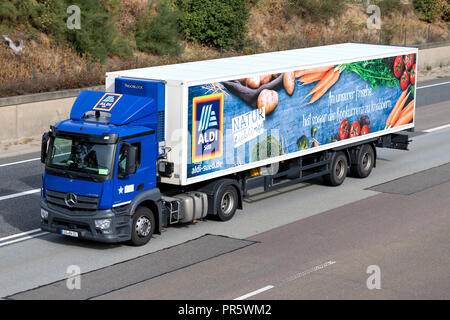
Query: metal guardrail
(432,45)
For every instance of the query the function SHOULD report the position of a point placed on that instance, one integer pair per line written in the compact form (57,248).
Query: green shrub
(316,10)
(97,36)
(388,5)
(7,12)
(221,23)
(428,10)
(47,16)
(446,11)
(159,32)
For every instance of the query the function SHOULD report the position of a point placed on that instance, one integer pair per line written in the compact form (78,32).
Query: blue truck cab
(101,164)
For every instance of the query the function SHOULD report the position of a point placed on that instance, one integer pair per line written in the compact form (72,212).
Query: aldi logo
(207,127)
(107,102)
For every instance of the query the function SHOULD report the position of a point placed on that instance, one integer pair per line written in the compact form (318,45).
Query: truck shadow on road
(80,243)
(260,194)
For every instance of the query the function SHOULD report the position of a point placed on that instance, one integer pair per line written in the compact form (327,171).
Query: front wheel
(142,227)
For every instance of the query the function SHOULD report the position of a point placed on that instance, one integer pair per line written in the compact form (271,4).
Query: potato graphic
(289,82)
(268,99)
(253,82)
(266,79)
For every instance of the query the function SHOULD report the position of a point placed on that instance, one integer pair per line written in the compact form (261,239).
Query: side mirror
(45,138)
(130,160)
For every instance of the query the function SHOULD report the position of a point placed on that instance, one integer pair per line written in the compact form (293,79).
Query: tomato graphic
(365,129)
(355,129)
(344,129)
(412,74)
(404,80)
(409,61)
(398,66)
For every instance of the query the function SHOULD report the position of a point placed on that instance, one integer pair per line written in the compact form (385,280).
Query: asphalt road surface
(308,241)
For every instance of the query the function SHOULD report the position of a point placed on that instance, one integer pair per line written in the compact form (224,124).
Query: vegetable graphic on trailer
(309,108)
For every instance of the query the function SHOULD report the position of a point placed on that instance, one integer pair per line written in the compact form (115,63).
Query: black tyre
(227,202)
(339,168)
(143,226)
(366,160)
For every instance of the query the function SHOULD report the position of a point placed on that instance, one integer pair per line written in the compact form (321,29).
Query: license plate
(69,233)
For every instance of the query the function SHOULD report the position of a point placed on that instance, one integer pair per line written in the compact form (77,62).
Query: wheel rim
(227,203)
(340,169)
(143,226)
(366,161)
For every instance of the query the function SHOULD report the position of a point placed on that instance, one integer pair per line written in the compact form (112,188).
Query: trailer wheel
(366,160)
(227,202)
(142,227)
(338,171)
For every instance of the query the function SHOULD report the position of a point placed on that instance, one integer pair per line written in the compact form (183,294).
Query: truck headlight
(44,214)
(103,224)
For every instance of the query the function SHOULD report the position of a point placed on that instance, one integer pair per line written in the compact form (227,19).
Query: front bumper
(83,223)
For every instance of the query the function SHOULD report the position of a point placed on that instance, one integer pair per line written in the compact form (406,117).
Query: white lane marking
(23,238)
(19,234)
(20,194)
(254,293)
(292,278)
(18,162)
(313,269)
(433,85)
(437,128)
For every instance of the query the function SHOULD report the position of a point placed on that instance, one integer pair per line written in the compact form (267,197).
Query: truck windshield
(77,155)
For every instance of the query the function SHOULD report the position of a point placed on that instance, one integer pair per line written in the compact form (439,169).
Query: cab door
(127,186)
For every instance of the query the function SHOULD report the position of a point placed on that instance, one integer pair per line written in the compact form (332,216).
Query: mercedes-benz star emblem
(71,199)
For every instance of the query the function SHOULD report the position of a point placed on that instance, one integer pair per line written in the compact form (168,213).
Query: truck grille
(72,201)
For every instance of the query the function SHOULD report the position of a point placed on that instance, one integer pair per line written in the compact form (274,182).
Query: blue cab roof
(124,108)
(121,109)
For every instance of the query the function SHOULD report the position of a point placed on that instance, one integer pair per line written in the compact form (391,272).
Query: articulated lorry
(177,143)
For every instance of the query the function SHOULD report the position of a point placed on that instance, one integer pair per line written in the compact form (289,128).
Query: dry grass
(269,29)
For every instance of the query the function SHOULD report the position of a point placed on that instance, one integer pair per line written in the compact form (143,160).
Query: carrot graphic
(300,73)
(312,77)
(324,85)
(405,119)
(397,114)
(322,82)
(398,106)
